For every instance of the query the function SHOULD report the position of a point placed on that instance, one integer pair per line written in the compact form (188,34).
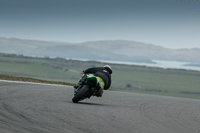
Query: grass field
(137,79)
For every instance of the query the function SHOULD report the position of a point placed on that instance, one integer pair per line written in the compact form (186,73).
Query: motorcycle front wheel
(80,94)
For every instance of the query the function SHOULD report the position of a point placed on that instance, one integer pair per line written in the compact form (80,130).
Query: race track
(38,108)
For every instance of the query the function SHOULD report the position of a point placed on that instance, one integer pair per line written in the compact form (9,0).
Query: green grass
(26,79)
(137,79)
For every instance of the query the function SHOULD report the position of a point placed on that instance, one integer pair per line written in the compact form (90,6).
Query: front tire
(83,91)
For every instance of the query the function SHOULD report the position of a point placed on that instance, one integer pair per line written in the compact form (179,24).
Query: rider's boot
(99,92)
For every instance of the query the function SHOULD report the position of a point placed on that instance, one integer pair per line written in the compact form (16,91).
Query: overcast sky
(168,23)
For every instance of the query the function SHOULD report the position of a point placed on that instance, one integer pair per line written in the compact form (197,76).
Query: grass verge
(27,79)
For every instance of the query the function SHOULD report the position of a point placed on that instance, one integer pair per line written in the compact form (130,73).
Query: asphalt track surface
(38,108)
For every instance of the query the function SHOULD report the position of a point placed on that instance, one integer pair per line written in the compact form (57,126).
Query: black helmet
(108,68)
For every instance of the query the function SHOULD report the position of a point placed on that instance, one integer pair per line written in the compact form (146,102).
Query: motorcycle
(86,88)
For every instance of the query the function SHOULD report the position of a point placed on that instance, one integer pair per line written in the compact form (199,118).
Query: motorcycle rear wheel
(81,94)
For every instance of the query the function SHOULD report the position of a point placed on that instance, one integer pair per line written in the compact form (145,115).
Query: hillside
(138,49)
(117,50)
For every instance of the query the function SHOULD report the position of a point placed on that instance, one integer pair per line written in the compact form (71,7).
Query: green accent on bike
(92,80)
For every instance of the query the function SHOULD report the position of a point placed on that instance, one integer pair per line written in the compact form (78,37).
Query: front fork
(81,81)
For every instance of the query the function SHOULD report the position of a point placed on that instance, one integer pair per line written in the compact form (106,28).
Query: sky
(168,23)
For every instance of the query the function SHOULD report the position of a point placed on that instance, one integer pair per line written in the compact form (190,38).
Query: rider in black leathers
(104,73)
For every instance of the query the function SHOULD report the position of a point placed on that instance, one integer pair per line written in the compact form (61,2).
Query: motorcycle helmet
(108,68)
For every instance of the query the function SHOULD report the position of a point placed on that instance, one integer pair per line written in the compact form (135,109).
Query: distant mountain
(117,50)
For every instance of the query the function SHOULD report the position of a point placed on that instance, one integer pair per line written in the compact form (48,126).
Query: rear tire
(80,95)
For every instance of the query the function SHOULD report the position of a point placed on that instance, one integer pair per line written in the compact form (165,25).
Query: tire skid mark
(160,114)
(184,115)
